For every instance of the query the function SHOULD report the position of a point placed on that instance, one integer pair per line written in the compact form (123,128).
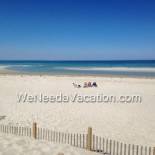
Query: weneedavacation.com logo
(77,98)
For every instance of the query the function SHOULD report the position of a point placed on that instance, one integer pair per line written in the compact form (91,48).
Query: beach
(26,146)
(126,122)
(77,77)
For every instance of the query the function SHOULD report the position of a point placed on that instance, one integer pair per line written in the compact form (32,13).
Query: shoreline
(7,72)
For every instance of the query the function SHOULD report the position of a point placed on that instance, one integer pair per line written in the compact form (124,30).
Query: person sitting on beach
(85,85)
(94,84)
(89,84)
(76,85)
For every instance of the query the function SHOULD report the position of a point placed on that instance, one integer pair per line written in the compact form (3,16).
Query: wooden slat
(83,141)
(149,150)
(93,142)
(59,137)
(107,146)
(100,143)
(68,137)
(74,140)
(110,146)
(137,150)
(80,141)
(97,143)
(62,138)
(37,133)
(65,138)
(129,149)
(141,150)
(55,136)
(121,148)
(133,149)
(114,148)
(51,135)
(124,149)
(77,140)
(145,150)
(117,148)
(103,142)
(154,151)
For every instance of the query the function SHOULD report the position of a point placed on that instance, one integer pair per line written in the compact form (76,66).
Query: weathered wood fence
(87,141)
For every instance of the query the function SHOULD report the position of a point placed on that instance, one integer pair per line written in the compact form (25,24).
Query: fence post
(34,130)
(89,139)
(154,151)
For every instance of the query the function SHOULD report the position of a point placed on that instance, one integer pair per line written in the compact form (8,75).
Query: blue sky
(77,29)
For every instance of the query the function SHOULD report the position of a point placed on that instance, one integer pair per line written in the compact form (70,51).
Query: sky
(77,29)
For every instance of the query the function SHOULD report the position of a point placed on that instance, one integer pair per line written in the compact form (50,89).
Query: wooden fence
(87,141)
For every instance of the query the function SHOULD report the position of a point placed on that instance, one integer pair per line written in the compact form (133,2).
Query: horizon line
(77,60)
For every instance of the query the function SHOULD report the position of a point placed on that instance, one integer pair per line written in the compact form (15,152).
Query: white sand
(11,145)
(130,123)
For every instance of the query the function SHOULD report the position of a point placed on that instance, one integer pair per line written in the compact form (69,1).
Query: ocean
(140,68)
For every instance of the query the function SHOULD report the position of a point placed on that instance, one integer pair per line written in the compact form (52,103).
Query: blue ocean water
(143,68)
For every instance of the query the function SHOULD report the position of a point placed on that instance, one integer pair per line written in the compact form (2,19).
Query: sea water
(142,68)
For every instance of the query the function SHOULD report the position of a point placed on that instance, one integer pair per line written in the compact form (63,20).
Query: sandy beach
(12,145)
(127,122)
